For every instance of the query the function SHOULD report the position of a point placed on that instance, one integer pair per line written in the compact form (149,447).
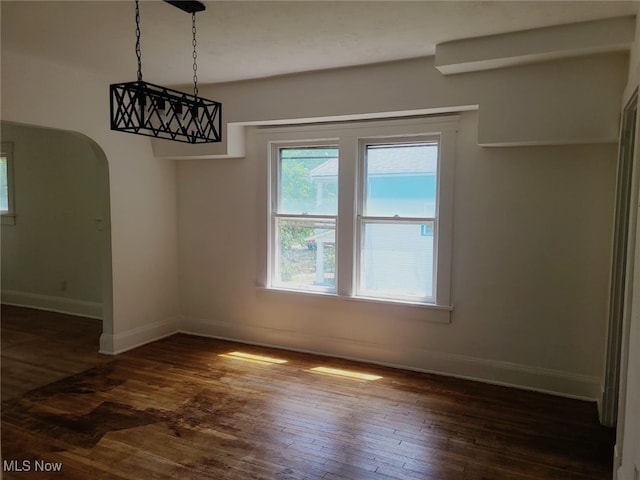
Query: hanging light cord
(138,51)
(195,55)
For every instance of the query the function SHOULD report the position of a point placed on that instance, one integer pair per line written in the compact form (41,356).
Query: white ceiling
(250,39)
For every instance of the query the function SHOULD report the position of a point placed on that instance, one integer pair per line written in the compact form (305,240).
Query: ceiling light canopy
(155,111)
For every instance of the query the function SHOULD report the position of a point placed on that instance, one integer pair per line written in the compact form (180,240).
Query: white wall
(531,224)
(554,102)
(52,256)
(142,193)
(627,461)
(532,228)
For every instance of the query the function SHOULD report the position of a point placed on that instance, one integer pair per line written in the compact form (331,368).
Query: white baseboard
(555,382)
(69,306)
(113,344)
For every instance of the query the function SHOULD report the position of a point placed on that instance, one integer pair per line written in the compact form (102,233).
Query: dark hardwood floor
(195,408)
(39,347)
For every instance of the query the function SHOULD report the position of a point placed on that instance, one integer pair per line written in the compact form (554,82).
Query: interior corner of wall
(181,320)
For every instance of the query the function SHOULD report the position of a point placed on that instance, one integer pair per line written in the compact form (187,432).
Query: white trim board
(555,382)
(509,374)
(113,344)
(69,306)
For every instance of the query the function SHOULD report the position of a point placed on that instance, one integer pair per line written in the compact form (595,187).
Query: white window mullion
(346,228)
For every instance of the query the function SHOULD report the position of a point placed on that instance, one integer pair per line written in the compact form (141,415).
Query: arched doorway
(56,251)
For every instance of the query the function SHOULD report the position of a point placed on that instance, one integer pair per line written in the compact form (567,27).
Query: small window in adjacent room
(6,184)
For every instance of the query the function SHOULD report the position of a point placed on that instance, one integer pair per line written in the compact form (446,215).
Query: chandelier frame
(152,110)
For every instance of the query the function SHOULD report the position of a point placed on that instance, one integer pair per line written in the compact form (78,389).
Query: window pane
(4,186)
(397,260)
(401,180)
(308,180)
(306,254)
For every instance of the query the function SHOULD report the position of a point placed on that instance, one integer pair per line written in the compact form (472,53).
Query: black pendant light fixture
(151,110)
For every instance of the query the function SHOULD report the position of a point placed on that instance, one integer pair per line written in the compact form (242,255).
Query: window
(397,218)
(305,208)
(360,210)
(6,184)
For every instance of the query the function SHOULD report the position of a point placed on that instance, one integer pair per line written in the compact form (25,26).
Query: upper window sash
(398,177)
(274,171)
(306,180)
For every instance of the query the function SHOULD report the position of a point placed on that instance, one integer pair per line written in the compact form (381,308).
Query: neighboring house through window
(397,216)
(362,210)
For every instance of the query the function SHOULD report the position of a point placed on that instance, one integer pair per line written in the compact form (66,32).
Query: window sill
(404,303)
(426,311)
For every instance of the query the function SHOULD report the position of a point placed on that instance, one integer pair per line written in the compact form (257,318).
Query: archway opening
(56,247)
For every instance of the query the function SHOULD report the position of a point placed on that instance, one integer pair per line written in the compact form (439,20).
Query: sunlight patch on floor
(250,357)
(338,372)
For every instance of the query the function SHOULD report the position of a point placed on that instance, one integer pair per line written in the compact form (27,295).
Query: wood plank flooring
(39,347)
(195,408)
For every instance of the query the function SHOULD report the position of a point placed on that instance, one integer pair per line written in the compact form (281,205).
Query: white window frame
(362,218)
(275,214)
(350,137)
(8,217)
